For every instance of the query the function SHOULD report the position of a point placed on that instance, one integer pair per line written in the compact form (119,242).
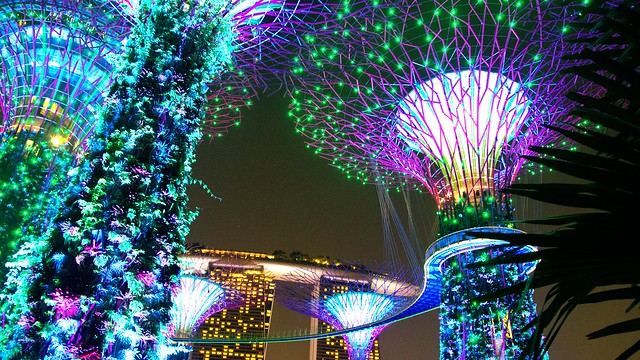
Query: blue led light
(353,309)
(197,299)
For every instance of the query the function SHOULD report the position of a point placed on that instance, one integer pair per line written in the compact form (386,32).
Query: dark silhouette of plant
(590,258)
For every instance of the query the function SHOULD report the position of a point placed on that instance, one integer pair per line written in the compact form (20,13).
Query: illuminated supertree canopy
(437,96)
(196,299)
(56,65)
(56,61)
(98,283)
(442,96)
(353,309)
(347,298)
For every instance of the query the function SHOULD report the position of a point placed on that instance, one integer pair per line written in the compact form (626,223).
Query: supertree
(347,297)
(197,297)
(56,65)
(195,300)
(110,257)
(443,97)
(56,61)
(55,73)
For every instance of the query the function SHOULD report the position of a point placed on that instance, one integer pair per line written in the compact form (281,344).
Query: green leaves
(129,218)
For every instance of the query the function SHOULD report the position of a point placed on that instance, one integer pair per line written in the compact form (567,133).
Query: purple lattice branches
(266,35)
(442,95)
(55,62)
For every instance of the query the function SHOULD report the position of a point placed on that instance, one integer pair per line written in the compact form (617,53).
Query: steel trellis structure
(442,97)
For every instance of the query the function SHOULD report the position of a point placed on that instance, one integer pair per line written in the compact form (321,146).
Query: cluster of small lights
(265,35)
(28,172)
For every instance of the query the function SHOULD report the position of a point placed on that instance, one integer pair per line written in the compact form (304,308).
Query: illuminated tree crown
(441,97)
(352,309)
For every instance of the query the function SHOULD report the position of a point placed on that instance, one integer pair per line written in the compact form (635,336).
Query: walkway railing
(429,299)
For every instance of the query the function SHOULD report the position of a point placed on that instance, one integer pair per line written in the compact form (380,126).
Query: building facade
(237,271)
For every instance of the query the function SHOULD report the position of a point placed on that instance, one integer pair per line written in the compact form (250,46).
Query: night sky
(276,194)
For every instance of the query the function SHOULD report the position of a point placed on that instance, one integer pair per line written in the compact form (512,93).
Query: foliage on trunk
(30,178)
(100,280)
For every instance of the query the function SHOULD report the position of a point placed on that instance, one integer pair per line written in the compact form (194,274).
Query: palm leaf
(586,260)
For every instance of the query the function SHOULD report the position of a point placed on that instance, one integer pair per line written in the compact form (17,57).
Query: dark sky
(276,194)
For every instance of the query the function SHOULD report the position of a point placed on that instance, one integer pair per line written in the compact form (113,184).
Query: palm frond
(587,259)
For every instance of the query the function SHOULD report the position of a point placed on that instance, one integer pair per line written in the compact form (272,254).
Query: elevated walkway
(429,299)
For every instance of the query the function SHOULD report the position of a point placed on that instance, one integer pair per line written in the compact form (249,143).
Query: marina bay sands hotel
(257,277)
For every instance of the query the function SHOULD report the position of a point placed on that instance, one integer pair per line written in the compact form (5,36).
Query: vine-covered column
(471,329)
(100,281)
(29,174)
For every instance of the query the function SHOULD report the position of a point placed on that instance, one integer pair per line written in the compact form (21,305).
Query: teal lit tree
(30,174)
(98,283)
(473,329)
(55,73)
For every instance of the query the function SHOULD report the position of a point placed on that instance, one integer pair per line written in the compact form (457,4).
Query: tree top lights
(195,300)
(438,95)
(347,298)
(56,59)
(56,66)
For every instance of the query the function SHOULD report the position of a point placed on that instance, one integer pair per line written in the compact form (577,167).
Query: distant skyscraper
(238,271)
